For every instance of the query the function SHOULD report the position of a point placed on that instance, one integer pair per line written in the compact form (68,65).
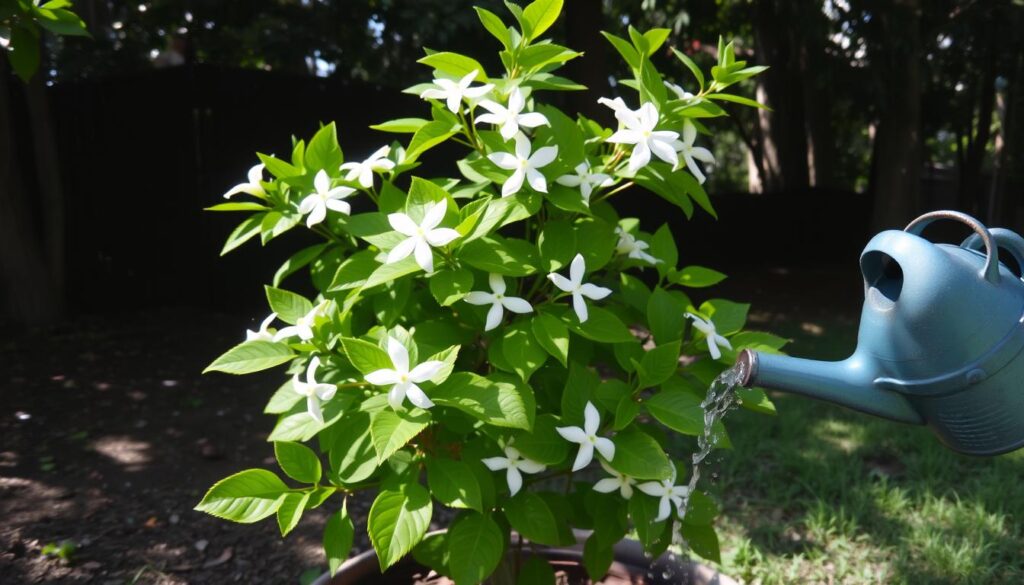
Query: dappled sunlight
(131,454)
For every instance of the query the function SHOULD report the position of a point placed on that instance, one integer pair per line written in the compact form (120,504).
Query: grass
(820,494)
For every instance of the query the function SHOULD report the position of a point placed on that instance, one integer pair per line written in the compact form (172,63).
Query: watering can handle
(1005,239)
(991,270)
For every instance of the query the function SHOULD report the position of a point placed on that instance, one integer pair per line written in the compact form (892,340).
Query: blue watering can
(940,340)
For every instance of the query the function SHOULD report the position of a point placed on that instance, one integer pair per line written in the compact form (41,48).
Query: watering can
(940,340)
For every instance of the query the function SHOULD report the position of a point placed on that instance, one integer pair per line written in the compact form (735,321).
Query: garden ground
(110,436)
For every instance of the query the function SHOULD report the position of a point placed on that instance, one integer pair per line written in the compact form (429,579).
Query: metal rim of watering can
(991,270)
(748,361)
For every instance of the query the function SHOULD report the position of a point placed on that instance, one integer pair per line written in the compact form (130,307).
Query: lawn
(820,494)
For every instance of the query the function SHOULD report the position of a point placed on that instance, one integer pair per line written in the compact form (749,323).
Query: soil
(110,436)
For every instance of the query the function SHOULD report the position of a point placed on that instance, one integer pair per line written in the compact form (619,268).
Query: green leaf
(453,483)
(283,399)
(755,399)
(449,286)
(365,356)
(522,351)
(665,316)
(392,430)
(290,511)
(508,257)
(625,49)
(385,273)
(245,231)
(61,22)
(251,356)
(397,522)
(597,559)
(531,516)
(540,56)
(727,97)
(536,571)
(698,277)
(655,38)
(694,69)
(638,455)
(323,152)
(729,317)
(663,247)
(278,167)
(678,410)
(297,261)
(643,509)
(427,137)
(339,533)
(297,425)
(476,545)
(703,541)
(543,444)
(634,292)
(610,392)
(298,461)
(289,306)
(601,325)
(625,412)
(552,335)
(247,496)
(237,206)
(23,52)
(494,25)
(659,364)
(579,388)
(701,510)
(557,244)
(541,14)
(455,64)
(353,456)
(401,125)
(496,403)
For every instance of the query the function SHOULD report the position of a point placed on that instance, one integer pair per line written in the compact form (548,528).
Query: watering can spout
(849,383)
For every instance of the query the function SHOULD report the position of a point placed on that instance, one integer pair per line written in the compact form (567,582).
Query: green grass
(819,494)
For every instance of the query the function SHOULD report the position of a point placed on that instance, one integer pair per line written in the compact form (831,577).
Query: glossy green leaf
(246,497)
(392,430)
(452,483)
(677,409)
(397,521)
(552,335)
(251,356)
(298,461)
(476,545)
(339,533)
(638,455)
(290,511)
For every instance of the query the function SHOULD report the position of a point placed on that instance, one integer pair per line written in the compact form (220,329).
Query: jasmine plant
(446,360)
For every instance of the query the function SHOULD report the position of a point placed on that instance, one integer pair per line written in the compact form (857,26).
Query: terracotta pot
(630,567)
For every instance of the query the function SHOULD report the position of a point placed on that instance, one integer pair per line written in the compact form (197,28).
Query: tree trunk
(896,164)
(970,172)
(30,295)
(783,139)
(583,22)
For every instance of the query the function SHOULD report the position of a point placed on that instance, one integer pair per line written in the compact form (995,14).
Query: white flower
(516,465)
(713,338)
(617,105)
(634,248)
(639,131)
(264,333)
(511,118)
(323,198)
(617,481)
(524,165)
(363,171)
(404,381)
(691,152)
(303,327)
(681,93)
(575,285)
(453,92)
(421,237)
(252,186)
(313,391)
(585,180)
(669,494)
(587,438)
(498,301)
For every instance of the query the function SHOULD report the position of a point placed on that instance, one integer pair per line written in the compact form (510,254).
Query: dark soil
(110,437)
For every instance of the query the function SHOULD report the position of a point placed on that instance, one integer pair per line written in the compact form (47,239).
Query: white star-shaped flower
(575,286)
(453,92)
(639,131)
(363,171)
(404,381)
(304,326)
(617,105)
(498,301)
(588,439)
(585,180)
(323,198)
(632,247)
(314,391)
(421,237)
(524,165)
(264,333)
(252,186)
(691,154)
(713,338)
(617,481)
(511,118)
(669,494)
(681,94)
(516,465)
